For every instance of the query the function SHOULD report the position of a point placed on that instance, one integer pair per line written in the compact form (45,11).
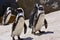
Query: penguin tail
(25,28)
(45,23)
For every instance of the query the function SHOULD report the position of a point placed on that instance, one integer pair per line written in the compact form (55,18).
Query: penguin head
(40,9)
(20,13)
(8,10)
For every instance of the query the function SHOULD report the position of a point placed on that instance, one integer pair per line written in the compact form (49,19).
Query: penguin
(7,16)
(39,20)
(31,18)
(19,24)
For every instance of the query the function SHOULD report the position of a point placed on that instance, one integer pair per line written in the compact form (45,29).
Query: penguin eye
(19,11)
(10,9)
(40,8)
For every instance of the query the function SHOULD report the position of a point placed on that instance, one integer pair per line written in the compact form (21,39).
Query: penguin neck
(19,15)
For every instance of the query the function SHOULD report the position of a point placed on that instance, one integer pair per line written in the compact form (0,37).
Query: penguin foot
(41,31)
(19,38)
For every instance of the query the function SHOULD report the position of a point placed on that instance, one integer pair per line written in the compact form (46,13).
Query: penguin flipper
(25,28)
(45,23)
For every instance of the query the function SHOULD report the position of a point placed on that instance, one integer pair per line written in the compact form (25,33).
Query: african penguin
(39,20)
(31,18)
(19,24)
(7,16)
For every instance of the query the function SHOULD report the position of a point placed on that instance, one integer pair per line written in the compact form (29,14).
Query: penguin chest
(8,17)
(19,27)
(40,22)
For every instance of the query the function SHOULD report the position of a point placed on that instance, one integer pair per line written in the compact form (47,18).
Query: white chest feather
(19,27)
(40,22)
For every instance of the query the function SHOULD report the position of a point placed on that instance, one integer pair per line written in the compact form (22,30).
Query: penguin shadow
(43,32)
(28,38)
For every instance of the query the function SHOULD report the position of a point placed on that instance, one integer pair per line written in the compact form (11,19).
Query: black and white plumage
(7,15)
(32,16)
(19,24)
(39,19)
